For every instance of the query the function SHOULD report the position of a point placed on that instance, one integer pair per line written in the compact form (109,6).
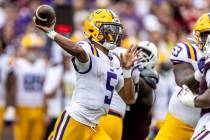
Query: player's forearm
(145,93)
(128,92)
(71,47)
(184,75)
(190,81)
(203,101)
(10,89)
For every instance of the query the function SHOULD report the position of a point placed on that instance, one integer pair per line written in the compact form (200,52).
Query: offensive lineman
(187,59)
(202,100)
(98,75)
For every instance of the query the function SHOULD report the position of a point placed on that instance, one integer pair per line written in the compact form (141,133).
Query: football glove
(10,114)
(186,96)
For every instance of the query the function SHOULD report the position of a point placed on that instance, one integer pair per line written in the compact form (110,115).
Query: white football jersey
(188,53)
(117,103)
(96,81)
(30,80)
(4,69)
(54,73)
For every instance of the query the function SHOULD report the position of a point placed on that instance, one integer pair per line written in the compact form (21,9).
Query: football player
(113,122)
(4,70)
(28,78)
(98,74)
(138,116)
(188,59)
(202,100)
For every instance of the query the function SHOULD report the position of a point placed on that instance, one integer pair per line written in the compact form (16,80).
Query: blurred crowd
(164,22)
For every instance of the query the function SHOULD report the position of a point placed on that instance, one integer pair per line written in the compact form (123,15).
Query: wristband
(51,34)
(126,73)
(198,75)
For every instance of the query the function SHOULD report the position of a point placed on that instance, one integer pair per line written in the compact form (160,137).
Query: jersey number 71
(109,87)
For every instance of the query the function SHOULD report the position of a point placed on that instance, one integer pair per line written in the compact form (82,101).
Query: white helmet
(147,58)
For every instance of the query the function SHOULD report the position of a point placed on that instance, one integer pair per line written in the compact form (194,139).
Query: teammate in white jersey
(113,122)
(5,64)
(202,130)
(188,64)
(29,75)
(98,74)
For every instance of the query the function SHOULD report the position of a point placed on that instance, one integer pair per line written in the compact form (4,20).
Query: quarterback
(99,74)
(188,60)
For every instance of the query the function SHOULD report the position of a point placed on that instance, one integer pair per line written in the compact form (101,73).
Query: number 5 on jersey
(109,87)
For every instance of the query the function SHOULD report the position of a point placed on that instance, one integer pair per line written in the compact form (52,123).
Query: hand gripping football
(45,16)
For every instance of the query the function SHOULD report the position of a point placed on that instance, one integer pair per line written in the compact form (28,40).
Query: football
(44,15)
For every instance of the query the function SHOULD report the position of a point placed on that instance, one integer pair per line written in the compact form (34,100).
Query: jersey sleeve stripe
(75,66)
(195,54)
(97,54)
(188,51)
(191,51)
(94,51)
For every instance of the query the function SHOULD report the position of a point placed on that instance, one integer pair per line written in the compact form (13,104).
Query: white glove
(198,75)
(10,114)
(186,96)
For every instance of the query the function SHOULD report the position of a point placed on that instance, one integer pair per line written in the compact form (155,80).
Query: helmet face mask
(32,53)
(206,48)
(203,37)
(147,58)
(112,34)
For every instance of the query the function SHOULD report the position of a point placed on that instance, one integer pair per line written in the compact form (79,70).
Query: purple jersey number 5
(109,87)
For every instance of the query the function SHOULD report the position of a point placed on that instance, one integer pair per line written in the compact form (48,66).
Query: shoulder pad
(88,47)
(183,52)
